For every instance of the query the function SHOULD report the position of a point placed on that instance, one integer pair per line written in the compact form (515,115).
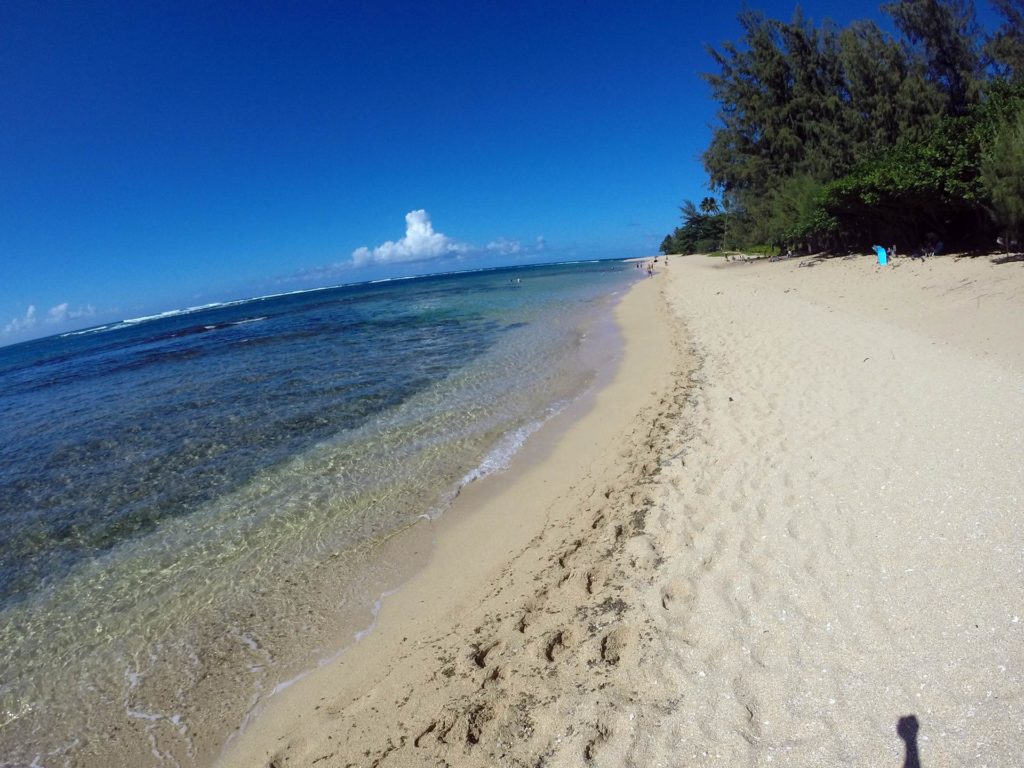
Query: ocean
(194,506)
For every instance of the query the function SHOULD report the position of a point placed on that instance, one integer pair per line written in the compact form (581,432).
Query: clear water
(185,500)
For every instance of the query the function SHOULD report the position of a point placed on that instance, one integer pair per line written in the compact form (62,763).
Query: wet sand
(790,520)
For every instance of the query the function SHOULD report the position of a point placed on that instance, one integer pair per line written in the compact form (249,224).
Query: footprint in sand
(614,645)
(674,595)
(601,734)
(642,554)
(480,652)
(558,643)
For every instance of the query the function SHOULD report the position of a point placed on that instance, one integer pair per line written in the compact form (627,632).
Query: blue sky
(160,155)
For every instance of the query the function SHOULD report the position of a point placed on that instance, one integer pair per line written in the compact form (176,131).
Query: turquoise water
(190,502)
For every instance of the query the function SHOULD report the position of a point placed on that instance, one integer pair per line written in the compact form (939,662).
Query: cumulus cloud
(18,324)
(63,312)
(505,247)
(421,242)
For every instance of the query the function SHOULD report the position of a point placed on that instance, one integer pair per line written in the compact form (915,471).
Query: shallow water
(190,502)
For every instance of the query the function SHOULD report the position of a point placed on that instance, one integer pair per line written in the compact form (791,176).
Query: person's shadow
(907,730)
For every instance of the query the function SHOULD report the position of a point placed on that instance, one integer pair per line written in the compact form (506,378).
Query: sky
(156,156)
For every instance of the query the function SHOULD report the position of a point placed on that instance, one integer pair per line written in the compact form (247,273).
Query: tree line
(833,139)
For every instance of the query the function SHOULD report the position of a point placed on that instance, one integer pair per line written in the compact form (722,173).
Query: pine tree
(1006,47)
(945,33)
(828,137)
(1002,174)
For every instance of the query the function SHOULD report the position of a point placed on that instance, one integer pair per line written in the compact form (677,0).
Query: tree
(917,187)
(708,206)
(1002,175)
(1005,48)
(701,232)
(946,35)
(795,215)
(886,92)
(828,137)
(943,183)
(802,105)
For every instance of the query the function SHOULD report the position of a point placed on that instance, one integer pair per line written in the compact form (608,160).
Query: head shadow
(907,728)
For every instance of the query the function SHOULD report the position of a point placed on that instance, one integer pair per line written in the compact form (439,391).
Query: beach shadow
(1008,258)
(907,729)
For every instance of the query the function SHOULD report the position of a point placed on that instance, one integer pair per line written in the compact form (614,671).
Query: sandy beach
(790,519)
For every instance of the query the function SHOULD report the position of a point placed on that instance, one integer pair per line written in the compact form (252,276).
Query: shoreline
(491,537)
(791,535)
(182,700)
(400,557)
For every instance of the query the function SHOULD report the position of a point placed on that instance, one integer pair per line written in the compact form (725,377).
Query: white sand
(851,518)
(793,518)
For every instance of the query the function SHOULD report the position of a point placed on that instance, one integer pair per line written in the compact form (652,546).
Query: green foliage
(945,35)
(782,110)
(916,180)
(709,206)
(1005,48)
(760,250)
(793,206)
(702,231)
(885,87)
(933,185)
(829,138)
(1002,173)
(801,105)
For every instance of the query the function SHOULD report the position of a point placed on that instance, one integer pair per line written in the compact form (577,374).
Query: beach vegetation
(944,36)
(832,138)
(703,229)
(1004,50)
(709,206)
(1002,175)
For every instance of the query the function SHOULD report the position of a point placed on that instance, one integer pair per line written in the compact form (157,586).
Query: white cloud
(22,323)
(58,313)
(504,246)
(420,242)
(62,313)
